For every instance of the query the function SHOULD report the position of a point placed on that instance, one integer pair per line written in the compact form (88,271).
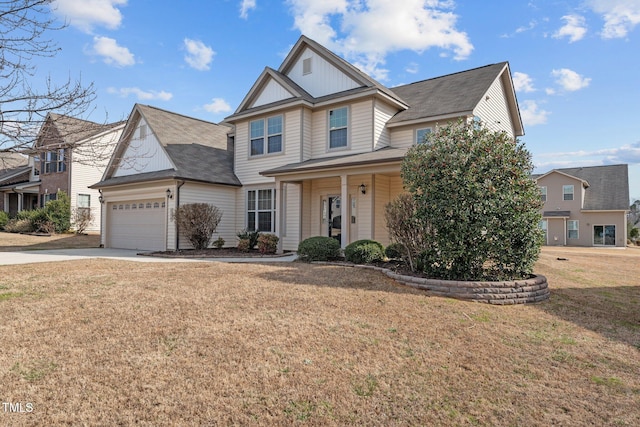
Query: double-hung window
(84,201)
(572,229)
(422,135)
(567,192)
(338,127)
(50,161)
(62,166)
(261,207)
(543,193)
(273,137)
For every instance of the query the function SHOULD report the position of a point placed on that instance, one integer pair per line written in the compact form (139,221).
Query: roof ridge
(451,74)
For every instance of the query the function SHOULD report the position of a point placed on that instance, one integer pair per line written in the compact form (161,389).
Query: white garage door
(137,224)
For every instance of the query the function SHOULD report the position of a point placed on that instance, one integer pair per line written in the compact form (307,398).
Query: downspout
(177,206)
(102,215)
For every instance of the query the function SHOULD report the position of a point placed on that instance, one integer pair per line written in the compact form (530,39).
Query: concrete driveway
(28,257)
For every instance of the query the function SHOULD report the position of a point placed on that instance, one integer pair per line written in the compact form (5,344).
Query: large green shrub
(197,222)
(4,218)
(364,252)
(395,250)
(479,206)
(59,212)
(318,248)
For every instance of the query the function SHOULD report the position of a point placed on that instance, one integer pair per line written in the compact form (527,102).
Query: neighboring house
(18,183)
(314,148)
(163,160)
(585,206)
(71,154)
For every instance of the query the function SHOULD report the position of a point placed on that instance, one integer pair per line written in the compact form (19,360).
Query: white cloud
(85,14)
(371,29)
(141,94)
(218,105)
(574,28)
(111,53)
(522,82)
(412,68)
(245,7)
(620,16)
(628,153)
(199,55)
(532,114)
(569,80)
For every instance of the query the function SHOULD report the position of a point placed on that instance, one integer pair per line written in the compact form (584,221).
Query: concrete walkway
(28,257)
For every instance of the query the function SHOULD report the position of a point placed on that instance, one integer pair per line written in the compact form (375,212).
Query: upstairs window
(567,192)
(273,136)
(50,161)
(62,165)
(422,135)
(543,193)
(338,125)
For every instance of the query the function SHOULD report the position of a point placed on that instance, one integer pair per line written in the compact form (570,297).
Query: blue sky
(575,63)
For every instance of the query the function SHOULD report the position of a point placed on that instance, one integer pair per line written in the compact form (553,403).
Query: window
(49,196)
(274,136)
(567,192)
(572,229)
(50,161)
(261,205)
(84,201)
(604,235)
(543,193)
(338,123)
(422,135)
(62,166)
(544,226)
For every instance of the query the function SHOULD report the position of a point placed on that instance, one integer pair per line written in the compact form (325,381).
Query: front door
(335,218)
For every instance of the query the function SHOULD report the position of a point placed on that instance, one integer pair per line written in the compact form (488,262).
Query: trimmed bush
(18,226)
(268,243)
(318,248)
(4,218)
(251,236)
(244,245)
(395,251)
(218,243)
(41,222)
(364,252)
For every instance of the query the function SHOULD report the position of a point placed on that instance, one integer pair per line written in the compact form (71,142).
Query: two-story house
(585,206)
(317,145)
(18,183)
(68,155)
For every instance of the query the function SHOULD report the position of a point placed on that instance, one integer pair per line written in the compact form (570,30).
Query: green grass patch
(10,295)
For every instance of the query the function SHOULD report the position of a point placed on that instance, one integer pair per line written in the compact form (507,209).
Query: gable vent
(306,66)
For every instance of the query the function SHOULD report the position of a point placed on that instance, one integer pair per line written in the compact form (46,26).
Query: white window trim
(347,127)
(61,156)
(257,210)
(265,137)
(78,197)
(415,134)
(543,193)
(573,191)
(577,229)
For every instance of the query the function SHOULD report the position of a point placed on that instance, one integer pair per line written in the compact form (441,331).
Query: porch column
(344,211)
(279,226)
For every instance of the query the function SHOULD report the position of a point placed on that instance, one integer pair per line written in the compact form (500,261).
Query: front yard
(104,342)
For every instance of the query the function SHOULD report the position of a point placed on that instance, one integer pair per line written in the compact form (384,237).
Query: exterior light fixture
(363,189)
(169,193)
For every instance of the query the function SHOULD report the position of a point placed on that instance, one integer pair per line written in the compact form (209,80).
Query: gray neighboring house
(585,206)
(163,160)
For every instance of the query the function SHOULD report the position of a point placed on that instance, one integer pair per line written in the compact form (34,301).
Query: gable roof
(198,149)
(607,186)
(62,131)
(299,95)
(454,94)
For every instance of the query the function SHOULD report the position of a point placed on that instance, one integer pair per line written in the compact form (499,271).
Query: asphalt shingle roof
(608,186)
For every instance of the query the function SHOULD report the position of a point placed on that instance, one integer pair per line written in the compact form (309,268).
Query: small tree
(82,218)
(481,210)
(406,228)
(197,222)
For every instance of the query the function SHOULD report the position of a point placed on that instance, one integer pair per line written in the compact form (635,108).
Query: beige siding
(248,168)
(382,197)
(272,92)
(324,78)
(223,197)
(382,113)
(405,136)
(306,133)
(493,109)
(291,217)
(143,154)
(364,206)
(306,208)
(360,129)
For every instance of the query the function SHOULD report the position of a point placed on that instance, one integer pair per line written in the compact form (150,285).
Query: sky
(575,64)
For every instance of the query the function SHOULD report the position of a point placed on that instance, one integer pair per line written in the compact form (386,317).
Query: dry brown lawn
(25,242)
(104,342)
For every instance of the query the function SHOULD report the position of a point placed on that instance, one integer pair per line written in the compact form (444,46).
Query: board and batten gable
(271,92)
(142,154)
(318,76)
(493,109)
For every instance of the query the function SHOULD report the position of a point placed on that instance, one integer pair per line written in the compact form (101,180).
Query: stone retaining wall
(532,290)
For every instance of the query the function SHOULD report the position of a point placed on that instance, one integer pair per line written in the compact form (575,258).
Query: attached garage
(137,224)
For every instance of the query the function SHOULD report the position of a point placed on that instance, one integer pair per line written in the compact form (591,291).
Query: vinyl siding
(494,111)
(224,198)
(382,197)
(324,79)
(360,133)
(272,92)
(382,113)
(143,155)
(307,137)
(248,168)
(405,136)
(291,220)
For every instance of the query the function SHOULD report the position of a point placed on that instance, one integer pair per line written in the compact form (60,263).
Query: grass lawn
(105,342)
(25,242)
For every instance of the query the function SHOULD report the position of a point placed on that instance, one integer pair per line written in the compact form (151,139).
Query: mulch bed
(214,253)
